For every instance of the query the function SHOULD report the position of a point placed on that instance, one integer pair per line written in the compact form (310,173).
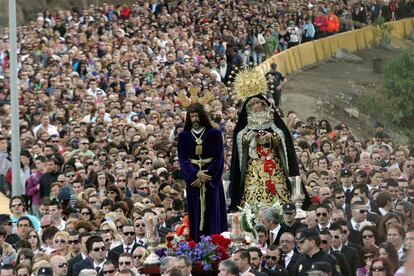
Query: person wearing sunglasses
(323,216)
(351,254)
(271,258)
(6,222)
(326,246)
(309,242)
(59,265)
(359,214)
(381,267)
(97,253)
(129,241)
(126,261)
(61,245)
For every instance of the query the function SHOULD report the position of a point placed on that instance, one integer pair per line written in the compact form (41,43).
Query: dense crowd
(99,118)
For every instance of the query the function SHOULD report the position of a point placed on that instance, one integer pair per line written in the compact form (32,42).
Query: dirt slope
(326,89)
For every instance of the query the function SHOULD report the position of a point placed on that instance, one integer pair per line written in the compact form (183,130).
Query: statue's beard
(196,125)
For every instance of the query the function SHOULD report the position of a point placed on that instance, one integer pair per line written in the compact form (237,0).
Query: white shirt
(51,130)
(327,226)
(382,211)
(354,224)
(129,247)
(275,232)
(400,252)
(288,257)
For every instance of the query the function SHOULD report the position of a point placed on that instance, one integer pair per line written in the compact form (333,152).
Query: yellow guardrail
(315,51)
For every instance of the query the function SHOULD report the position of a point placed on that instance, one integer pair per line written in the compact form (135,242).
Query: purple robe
(215,216)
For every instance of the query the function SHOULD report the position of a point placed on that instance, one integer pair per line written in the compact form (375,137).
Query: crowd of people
(99,121)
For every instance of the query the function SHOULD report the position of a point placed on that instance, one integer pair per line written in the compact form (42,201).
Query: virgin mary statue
(263,156)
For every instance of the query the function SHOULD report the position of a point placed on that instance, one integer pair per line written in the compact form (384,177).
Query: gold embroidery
(255,190)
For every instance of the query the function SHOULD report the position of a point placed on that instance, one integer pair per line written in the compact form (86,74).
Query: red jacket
(321,22)
(332,23)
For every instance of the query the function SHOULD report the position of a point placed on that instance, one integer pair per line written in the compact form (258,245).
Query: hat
(321,266)
(273,65)
(4,218)
(308,233)
(345,172)
(288,207)
(64,194)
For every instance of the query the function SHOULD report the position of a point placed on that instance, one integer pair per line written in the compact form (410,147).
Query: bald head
(59,265)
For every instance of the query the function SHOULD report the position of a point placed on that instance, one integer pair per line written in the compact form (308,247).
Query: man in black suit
(288,256)
(345,234)
(243,260)
(326,242)
(83,237)
(256,256)
(323,217)
(129,243)
(362,191)
(346,180)
(350,253)
(96,256)
(359,212)
(272,223)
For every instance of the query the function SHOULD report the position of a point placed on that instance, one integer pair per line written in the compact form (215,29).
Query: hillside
(326,89)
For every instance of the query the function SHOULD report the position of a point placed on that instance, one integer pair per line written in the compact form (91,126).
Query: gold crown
(249,82)
(194,98)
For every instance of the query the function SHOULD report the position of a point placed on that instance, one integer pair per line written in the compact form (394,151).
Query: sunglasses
(45,226)
(324,241)
(107,240)
(322,214)
(73,241)
(70,175)
(370,256)
(363,211)
(125,263)
(274,258)
(60,241)
(63,265)
(129,233)
(138,257)
(84,143)
(378,269)
(85,213)
(139,225)
(367,236)
(17,205)
(108,271)
(97,249)
(32,237)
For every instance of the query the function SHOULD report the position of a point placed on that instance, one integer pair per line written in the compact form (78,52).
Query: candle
(150,223)
(298,186)
(235,225)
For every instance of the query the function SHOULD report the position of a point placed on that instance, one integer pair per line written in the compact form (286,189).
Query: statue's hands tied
(202,177)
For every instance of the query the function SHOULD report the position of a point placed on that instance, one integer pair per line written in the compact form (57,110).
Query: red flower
(220,240)
(315,199)
(192,244)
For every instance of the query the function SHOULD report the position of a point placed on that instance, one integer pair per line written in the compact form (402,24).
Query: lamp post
(14,98)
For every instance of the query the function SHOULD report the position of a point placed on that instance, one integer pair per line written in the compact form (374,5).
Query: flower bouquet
(205,255)
(248,216)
